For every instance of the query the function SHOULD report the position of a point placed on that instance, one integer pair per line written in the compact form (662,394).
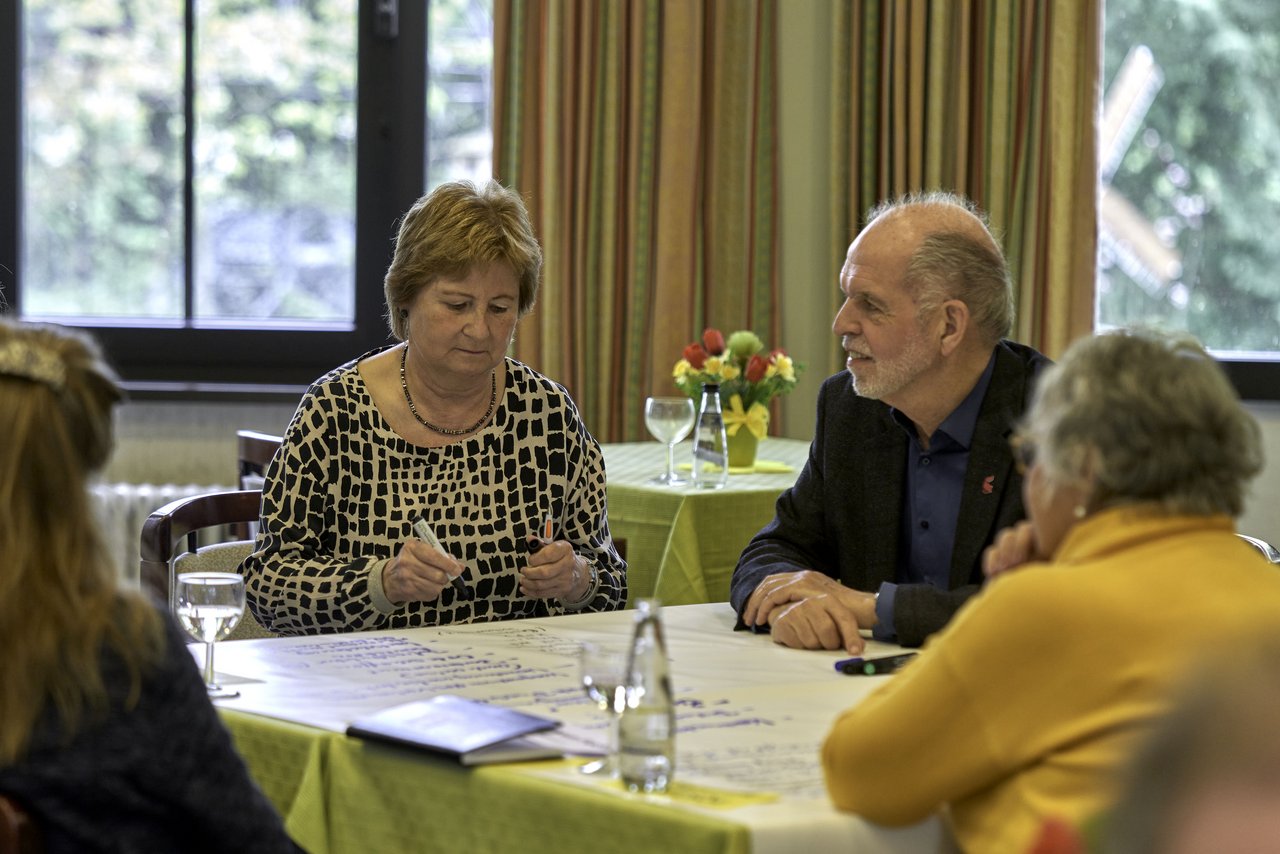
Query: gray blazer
(843,516)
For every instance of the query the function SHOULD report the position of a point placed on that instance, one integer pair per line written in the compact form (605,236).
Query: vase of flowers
(748,378)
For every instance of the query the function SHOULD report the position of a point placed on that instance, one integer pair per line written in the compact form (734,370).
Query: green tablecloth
(341,794)
(683,543)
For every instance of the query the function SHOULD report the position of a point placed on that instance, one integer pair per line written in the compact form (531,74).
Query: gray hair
(1154,419)
(955,264)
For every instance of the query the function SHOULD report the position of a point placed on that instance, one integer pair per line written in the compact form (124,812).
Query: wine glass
(603,668)
(669,419)
(209,605)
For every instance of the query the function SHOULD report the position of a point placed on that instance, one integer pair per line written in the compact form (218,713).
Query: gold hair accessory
(18,359)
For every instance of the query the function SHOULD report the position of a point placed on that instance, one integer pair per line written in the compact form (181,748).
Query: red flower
(713,341)
(756,368)
(695,355)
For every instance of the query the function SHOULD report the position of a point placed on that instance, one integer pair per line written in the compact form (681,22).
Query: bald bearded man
(910,475)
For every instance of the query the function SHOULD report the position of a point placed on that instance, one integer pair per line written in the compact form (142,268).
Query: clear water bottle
(710,444)
(647,726)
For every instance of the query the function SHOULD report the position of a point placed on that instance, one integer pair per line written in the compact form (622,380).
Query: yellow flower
(730,372)
(682,367)
(714,366)
(785,368)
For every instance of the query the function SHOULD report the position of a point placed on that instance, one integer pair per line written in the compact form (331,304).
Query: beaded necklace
(493,400)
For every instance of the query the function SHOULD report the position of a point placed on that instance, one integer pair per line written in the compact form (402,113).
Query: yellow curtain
(995,100)
(642,134)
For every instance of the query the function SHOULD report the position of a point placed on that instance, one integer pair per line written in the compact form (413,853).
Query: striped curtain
(995,100)
(642,133)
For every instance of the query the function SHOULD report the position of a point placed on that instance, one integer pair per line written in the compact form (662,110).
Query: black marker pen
(873,666)
(423,531)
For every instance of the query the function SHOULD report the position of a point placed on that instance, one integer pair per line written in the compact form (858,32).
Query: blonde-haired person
(447,428)
(108,737)
(1208,778)
(1019,712)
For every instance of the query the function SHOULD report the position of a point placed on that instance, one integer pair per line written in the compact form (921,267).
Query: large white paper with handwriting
(750,715)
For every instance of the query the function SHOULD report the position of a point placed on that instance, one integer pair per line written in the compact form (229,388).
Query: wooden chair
(255,452)
(169,545)
(19,833)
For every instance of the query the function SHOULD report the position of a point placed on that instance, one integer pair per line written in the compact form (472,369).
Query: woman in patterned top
(444,428)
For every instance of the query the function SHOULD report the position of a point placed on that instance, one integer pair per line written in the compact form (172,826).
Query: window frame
(192,359)
(1254,380)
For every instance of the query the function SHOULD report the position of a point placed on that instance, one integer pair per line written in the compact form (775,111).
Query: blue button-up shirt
(931,506)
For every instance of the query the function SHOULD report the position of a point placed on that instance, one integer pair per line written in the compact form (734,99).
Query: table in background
(683,543)
(751,716)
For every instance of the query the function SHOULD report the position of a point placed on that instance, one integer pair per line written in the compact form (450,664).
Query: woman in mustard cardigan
(1137,454)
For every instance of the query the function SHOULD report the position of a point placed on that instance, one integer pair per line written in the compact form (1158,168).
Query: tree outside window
(1190,143)
(248,219)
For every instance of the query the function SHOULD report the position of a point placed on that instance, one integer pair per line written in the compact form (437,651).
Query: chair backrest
(19,833)
(255,451)
(169,543)
(1268,551)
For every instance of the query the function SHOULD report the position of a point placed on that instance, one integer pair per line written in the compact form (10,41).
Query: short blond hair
(453,230)
(1152,417)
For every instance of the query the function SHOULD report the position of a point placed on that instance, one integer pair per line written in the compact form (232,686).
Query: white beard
(891,376)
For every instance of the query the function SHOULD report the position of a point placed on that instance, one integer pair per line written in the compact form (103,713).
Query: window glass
(1190,192)
(102,159)
(273,152)
(275,160)
(196,203)
(459,92)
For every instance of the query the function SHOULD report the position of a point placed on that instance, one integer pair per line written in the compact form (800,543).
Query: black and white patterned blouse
(343,492)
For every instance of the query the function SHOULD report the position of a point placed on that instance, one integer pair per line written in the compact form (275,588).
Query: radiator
(123,507)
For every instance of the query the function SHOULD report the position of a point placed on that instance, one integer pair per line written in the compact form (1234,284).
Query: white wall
(187,442)
(808,292)
(1262,513)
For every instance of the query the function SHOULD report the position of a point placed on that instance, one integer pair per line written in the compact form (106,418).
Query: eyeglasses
(1024,452)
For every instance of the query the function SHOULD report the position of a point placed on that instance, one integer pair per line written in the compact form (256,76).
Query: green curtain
(993,100)
(642,134)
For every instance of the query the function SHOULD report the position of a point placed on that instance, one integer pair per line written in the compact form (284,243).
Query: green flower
(743,345)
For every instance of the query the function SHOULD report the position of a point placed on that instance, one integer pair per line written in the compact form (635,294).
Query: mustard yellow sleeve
(934,731)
